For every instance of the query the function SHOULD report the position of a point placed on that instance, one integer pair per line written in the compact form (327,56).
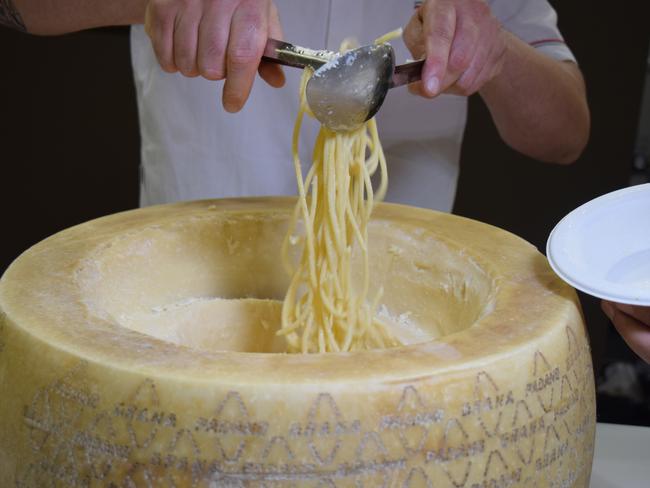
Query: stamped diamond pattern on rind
(34,476)
(412,420)
(146,392)
(573,350)
(139,476)
(410,405)
(56,409)
(102,447)
(567,470)
(371,451)
(525,429)
(183,445)
(278,450)
(454,455)
(565,410)
(552,454)
(327,483)
(498,473)
(417,478)
(543,384)
(371,448)
(494,406)
(233,418)
(142,424)
(178,464)
(69,398)
(62,464)
(38,420)
(323,417)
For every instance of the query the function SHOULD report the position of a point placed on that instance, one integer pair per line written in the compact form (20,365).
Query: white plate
(603,247)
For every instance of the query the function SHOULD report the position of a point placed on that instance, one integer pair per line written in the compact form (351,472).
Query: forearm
(539,104)
(50,17)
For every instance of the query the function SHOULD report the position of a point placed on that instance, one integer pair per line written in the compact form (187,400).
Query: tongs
(347,89)
(288,54)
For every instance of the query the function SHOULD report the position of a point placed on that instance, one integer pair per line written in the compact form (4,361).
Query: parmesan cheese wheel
(139,349)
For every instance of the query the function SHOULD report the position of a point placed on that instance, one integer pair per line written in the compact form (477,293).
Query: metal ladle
(346,89)
(349,90)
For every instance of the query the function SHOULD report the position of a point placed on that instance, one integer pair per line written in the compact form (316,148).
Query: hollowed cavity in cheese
(218,285)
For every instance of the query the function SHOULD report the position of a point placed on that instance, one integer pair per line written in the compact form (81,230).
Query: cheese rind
(502,395)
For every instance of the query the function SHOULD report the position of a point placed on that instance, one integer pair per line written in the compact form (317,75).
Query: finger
(447,86)
(414,41)
(464,46)
(213,39)
(186,41)
(476,67)
(416,88)
(439,28)
(413,36)
(481,69)
(642,314)
(635,334)
(159,26)
(270,72)
(248,30)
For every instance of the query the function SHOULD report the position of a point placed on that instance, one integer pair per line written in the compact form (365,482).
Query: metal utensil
(349,90)
(288,54)
(346,89)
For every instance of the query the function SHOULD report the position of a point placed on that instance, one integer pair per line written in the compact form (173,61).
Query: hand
(217,39)
(633,323)
(463,42)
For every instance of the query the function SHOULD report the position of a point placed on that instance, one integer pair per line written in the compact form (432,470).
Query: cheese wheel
(139,349)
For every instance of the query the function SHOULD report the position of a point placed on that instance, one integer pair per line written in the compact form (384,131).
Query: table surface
(622,457)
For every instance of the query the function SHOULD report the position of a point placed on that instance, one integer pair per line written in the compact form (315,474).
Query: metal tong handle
(406,73)
(288,54)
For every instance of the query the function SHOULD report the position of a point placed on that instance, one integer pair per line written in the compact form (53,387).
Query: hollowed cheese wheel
(139,349)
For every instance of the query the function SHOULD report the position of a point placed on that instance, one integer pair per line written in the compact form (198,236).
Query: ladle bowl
(349,90)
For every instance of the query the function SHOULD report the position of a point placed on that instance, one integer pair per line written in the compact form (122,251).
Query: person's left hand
(216,39)
(633,323)
(463,42)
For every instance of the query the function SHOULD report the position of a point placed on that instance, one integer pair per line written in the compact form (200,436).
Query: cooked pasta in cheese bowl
(146,349)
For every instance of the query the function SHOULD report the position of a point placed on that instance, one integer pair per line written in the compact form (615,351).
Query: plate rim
(572,279)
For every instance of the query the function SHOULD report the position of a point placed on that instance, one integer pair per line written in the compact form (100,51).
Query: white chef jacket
(193,149)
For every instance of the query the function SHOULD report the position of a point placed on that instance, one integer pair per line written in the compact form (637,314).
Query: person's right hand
(216,39)
(633,323)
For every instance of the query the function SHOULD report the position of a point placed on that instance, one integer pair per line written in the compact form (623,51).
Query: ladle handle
(288,54)
(406,73)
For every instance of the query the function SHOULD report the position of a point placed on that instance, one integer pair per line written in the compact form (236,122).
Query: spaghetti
(324,309)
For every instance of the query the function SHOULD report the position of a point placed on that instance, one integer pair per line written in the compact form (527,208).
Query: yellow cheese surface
(140,350)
